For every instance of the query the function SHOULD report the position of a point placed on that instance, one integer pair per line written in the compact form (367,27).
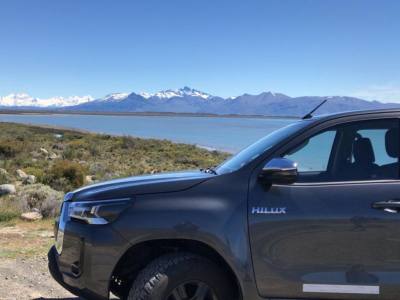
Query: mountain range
(25,100)
(188,100)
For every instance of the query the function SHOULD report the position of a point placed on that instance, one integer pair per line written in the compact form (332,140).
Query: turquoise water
(229,134)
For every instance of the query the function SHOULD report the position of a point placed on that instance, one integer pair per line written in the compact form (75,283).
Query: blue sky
(298,47)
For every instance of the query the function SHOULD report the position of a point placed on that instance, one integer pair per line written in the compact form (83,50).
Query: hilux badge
(268,210)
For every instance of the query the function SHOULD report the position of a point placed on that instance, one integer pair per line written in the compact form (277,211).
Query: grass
(25,239)
(9,209)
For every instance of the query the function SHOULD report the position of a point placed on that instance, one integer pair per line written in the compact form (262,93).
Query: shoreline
(140,114)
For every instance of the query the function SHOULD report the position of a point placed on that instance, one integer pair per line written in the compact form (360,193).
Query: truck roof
(326,117)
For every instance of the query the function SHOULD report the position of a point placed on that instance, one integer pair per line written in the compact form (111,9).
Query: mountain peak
(187,89)
(264,94)
(115,97)
(182,92)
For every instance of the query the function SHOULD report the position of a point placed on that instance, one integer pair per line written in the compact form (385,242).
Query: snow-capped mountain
(114,97)
(25,100)
(188,100)
(184,92)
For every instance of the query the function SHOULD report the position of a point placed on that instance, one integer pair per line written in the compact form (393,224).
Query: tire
(174,277)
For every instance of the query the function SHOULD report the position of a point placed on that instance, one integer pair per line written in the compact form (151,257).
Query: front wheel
(182,276)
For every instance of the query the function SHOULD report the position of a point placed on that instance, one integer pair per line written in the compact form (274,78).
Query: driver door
(331,241)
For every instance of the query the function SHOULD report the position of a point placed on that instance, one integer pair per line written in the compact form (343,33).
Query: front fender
(212,213)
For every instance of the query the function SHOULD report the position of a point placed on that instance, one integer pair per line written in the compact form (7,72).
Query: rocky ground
(28,278)
(23,262)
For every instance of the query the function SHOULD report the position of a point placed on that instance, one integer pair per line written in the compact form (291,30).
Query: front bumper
(73,286)
(85,263)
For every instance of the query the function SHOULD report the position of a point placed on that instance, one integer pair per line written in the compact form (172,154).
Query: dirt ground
(23,262)
(29,279)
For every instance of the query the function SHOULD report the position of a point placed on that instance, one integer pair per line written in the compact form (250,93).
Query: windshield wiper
(209,171)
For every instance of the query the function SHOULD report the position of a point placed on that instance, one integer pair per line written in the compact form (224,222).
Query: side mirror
(279,171)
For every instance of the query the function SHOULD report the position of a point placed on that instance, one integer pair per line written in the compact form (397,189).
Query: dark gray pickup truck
(308,212)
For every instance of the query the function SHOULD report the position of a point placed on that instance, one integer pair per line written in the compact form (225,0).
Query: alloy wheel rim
(192,290)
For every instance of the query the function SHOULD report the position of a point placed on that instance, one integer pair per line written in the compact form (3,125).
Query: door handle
(390,206)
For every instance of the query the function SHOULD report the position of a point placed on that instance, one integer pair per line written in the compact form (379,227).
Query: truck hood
(137,185)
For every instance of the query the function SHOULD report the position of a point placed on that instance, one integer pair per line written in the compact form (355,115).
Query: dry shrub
(9,149)
(66,175)
(40,197)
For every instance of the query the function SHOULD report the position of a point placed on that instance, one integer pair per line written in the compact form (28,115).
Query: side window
(357,151)
(313,154)
(378,143)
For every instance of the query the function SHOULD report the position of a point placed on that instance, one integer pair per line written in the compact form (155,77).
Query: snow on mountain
(20,99)
(25,100)
(180,93)
(62,102)
(146,95)
(115,97)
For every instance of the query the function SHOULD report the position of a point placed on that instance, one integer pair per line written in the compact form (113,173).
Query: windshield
(253,151)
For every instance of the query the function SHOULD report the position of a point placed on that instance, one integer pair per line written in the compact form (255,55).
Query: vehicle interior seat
(392,150)
(364,166)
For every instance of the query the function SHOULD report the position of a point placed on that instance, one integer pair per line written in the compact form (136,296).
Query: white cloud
(384,93)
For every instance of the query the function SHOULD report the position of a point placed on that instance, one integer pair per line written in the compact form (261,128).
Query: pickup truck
(311,211)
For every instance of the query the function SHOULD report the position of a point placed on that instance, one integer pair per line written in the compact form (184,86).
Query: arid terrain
(23,262)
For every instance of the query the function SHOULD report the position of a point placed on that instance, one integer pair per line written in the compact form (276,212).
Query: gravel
(29,278)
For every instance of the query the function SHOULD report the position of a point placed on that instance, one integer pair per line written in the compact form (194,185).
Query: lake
(228,134)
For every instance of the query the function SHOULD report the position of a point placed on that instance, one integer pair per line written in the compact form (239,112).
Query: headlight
(97,212)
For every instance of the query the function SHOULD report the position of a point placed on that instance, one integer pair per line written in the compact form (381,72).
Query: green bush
(66,175)
(127,142)
(9,149)
(37,172)
(94,148)
(5,177)
(70,153)
(8,214)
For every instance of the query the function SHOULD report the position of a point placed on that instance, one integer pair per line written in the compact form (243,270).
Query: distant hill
(188,100)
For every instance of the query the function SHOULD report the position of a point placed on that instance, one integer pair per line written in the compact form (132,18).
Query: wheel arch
(141,254)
